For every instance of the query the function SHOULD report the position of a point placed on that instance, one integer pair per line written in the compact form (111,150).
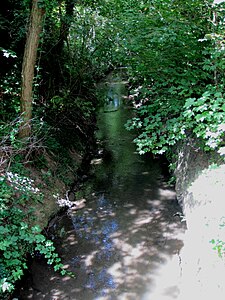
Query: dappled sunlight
(96,161)
(125,243)
(145,218)
(88,261)
(129,253)
(71,239)
(166,194)
(126,252)
(167,280)
(202,267)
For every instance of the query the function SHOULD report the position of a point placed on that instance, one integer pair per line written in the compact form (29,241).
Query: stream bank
(126,242)
(200,189)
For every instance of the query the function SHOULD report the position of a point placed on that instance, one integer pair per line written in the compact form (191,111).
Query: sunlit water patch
(125,243)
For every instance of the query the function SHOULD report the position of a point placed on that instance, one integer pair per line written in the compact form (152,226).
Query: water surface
(125,243)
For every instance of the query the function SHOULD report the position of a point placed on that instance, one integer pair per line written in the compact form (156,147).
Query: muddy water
(125,243)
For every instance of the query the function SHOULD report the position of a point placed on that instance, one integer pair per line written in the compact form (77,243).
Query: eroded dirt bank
(125,243)
(200,190)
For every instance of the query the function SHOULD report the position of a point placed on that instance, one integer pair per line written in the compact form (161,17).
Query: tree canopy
(173,54)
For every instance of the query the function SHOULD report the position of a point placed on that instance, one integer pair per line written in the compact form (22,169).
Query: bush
(18,195)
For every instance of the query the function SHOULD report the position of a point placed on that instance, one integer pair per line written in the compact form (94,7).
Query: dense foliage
(64,102)
(173,52)
(177,67)
(17,237)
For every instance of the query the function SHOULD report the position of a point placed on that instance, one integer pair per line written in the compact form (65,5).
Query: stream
(125,243)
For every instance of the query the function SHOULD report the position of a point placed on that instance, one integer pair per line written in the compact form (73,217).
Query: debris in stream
(79,204)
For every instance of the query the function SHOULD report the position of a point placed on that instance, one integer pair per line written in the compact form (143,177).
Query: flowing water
(125,243)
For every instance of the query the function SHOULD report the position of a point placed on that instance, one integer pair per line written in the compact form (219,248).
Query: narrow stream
(124,244)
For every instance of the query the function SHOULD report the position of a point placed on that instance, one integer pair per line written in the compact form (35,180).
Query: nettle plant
(17,237)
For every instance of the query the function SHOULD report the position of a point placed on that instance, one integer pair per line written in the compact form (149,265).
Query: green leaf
(189,102)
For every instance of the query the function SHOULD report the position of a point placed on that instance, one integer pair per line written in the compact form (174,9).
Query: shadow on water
(125,243)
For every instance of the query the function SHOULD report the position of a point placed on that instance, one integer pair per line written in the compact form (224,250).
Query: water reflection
(125,243)
(113,101)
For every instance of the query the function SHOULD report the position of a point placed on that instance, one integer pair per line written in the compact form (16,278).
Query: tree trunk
(66,21)
(29,59)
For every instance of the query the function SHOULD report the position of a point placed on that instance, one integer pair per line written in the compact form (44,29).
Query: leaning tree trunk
(29,59)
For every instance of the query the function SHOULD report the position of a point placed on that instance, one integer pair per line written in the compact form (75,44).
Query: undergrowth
(19,236)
